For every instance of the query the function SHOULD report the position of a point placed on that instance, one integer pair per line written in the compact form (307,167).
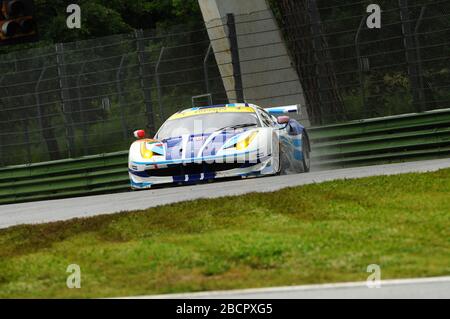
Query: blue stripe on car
(297,142)
(179,178)
(192,160)
(298,155)
(139,173)
(141,185)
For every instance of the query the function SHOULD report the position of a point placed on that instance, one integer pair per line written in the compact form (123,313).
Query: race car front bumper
(145,176)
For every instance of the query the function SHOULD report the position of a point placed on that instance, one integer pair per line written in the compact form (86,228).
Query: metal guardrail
(382,140)
(94,174)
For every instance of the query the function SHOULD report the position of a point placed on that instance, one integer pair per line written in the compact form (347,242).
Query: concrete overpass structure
(266,68)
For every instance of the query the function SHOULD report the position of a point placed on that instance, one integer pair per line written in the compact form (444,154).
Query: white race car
(232,140)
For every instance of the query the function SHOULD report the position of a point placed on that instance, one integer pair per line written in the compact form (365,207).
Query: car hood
(189,146)
(201,145)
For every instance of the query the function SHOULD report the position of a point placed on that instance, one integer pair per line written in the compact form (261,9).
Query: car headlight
(245,142)
(156,148)
(145,152)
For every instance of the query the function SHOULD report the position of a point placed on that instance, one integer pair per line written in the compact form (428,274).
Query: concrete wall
(268,77)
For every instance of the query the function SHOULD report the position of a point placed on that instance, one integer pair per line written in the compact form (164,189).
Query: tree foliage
(108,17)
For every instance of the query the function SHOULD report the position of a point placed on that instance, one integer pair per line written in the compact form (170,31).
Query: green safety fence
(365,142)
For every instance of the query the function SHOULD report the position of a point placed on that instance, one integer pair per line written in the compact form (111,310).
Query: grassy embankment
(326,232)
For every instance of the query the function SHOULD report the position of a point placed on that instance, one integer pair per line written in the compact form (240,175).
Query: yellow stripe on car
(236,109)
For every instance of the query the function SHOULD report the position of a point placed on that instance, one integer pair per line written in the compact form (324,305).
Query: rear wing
(277,110)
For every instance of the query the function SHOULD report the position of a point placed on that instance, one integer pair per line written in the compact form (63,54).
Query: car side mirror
(283,119)
(139,134)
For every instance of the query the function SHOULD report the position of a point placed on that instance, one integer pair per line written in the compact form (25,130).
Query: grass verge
(328,232)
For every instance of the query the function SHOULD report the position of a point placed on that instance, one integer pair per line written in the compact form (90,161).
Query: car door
(270,124)
(289,136)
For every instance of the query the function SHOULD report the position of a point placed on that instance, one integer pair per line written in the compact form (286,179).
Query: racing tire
(306,152)
(282,162)
(305,165)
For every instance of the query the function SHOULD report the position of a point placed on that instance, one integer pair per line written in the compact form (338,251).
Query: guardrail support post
(80,109)
(205,68)
(27,137)
(45,123)
(2,163)
(410,51)
(158,85)
(232,36)
(360,67)
(419,60)
(120,98)
(145,80)
(64,94)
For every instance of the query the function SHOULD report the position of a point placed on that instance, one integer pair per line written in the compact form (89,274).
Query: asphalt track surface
(423,288)
(64,209)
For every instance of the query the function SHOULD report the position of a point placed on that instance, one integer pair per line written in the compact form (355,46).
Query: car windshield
(206,123)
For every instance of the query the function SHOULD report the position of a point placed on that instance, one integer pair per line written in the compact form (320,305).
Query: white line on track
(432,287)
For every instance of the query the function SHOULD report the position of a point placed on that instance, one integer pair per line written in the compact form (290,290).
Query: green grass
(327,232)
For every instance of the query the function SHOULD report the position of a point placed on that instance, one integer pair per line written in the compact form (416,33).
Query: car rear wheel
(306,152)
(303,167)
(282,162)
